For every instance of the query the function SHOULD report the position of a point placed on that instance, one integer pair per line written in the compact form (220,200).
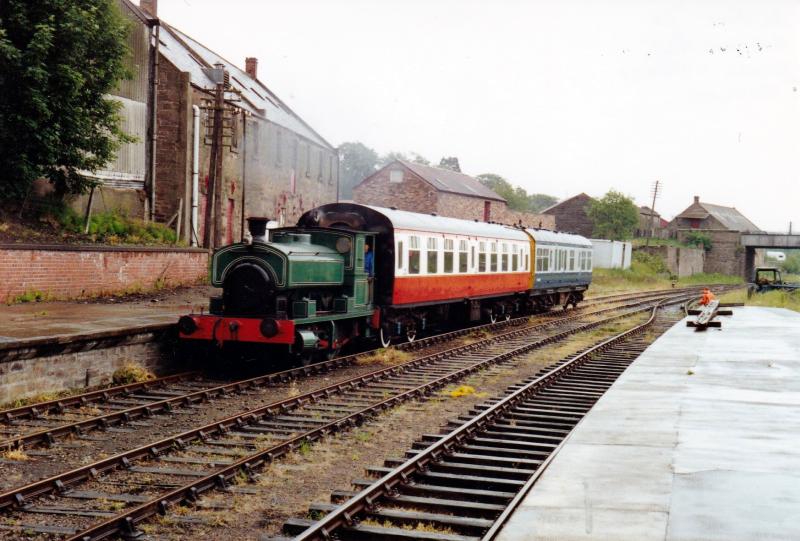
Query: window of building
(399,256)
(433,255)
(396,175)
(413,255)
(448,255)
(462,256)
(487,211)
(481,256)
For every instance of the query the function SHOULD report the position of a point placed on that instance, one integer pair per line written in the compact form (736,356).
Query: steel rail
(60,482)
(345,514)
(48,435)
(126,521)
(58,405)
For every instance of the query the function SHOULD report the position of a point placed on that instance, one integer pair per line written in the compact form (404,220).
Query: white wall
(611,254)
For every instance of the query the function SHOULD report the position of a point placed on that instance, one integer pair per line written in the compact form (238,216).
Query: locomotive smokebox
(257,226)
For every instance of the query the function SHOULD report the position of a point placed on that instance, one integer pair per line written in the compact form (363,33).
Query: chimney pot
(150,6)
(251,66)
(696,198)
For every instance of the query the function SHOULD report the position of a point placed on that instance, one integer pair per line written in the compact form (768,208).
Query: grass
(774,299)
(131,373)
(15,454)
(642,241)
(607,281)
(31,295)
(388,356)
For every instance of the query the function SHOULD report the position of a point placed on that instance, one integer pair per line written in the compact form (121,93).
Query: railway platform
(63,319)
(697,440)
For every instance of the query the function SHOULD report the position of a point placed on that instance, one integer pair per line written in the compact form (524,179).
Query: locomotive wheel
(385,341)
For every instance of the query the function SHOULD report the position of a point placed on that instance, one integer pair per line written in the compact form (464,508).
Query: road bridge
(773,241)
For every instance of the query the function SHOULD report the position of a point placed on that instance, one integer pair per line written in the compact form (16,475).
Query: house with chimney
(724,227)
(422,188)
(271,162)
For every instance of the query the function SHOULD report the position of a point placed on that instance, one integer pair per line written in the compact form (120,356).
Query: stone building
(651,224)
(571,215)
(273,163)
(422,188)
(724,227)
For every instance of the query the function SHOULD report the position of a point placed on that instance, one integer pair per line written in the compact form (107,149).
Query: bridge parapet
(770,240)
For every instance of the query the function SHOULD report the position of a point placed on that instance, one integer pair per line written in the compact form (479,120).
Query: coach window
(481,256)
(493,260)
(504,258)
(514,258)
(572,260)
(588,260)
(448,255)
(413,255)
(399,252)
(462,256)
(433,255)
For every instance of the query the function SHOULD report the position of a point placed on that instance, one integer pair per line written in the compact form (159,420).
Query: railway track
(462,484)
(150,479)
(46,422)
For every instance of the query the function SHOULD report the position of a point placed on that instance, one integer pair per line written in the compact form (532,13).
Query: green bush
(648,263)
(116,228)
(700,240)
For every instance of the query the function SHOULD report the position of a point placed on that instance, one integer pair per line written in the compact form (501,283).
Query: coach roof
(430,223)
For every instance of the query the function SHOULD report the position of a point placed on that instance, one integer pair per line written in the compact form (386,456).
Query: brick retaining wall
(66,272)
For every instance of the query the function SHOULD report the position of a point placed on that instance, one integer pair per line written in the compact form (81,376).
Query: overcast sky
(559,97)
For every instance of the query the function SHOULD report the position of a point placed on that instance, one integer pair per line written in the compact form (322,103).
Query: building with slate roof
(571,215)
(274,163)
(724,227)
(421,188)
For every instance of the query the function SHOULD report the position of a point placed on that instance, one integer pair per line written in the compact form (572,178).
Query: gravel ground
(291,484)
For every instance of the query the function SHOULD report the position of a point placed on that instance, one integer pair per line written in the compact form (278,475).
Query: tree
(450,163)
(59,59)
(357,162)
(539,201)
(517,198)
(615,216)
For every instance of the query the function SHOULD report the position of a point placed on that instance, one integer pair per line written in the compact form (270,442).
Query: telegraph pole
(656,188)
(215,174)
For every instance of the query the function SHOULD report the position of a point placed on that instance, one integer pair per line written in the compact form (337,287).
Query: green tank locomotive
(301,292)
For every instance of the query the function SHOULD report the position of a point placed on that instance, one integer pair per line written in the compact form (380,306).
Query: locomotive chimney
(257,226)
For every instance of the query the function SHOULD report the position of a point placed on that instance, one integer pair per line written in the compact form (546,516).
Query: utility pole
(656,188)
(213,195)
